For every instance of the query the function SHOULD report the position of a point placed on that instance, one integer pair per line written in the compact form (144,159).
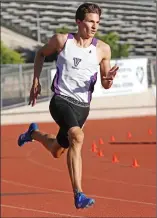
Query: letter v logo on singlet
(76,61)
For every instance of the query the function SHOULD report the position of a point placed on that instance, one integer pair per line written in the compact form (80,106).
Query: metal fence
(16,82)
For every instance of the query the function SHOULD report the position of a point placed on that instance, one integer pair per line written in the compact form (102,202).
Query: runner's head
(87,18)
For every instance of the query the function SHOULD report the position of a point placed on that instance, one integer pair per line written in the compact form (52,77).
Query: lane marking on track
(91,177)
(39,211)
(28,154)
(45,166)
(124,200)
(120,182)
(67,192)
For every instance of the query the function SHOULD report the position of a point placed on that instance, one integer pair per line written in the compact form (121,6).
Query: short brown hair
(87,8)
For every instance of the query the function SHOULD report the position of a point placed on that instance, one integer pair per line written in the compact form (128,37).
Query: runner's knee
(76,137)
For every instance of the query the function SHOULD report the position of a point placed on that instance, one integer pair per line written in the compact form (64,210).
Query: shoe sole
(87,206)
(19,140)
(90,204)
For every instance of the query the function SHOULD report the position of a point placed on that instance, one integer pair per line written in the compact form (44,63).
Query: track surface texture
(34,184)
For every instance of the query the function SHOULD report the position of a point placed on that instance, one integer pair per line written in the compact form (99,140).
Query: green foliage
(63,30)
(9,56)
(118,50)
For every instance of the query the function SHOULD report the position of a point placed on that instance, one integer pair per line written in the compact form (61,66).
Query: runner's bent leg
(49,141)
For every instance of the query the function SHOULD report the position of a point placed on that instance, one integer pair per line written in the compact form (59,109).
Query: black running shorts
(67,113)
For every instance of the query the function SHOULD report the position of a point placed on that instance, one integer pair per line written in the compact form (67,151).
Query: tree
(9,56)
(63,29)
(113,39)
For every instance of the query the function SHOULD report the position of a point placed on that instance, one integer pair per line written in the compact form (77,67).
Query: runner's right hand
(35,91)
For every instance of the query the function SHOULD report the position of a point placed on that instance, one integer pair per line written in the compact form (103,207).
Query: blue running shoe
(81,201)
(26,137)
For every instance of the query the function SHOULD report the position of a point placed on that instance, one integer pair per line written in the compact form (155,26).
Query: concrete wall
(142,104)
(14,40)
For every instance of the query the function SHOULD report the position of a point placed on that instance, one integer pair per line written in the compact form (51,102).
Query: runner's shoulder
(103,46)
(60,38)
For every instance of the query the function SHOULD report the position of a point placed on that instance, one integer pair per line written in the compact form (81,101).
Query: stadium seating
(134,21)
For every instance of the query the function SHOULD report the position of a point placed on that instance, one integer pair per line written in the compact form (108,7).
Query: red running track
(33,184)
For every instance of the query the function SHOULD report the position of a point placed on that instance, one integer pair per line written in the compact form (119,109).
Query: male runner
(80,56)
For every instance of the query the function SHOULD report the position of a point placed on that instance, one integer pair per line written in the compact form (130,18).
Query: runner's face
(89,26)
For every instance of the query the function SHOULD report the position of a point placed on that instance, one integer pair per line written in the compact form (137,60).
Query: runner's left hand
(112,73)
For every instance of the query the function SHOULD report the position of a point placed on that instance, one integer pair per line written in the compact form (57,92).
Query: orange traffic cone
(113,139)
(150,132)
(115,159)
(129,135)
(101,141)
(94,147)
(135,164)
(100,153)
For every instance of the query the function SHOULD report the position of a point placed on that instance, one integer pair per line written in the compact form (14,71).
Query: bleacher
(134,21)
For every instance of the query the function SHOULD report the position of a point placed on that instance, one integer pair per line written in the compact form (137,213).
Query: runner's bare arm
(107,73)
(55,44)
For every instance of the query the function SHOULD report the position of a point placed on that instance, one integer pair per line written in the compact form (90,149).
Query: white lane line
(120,182)
(67,192)
(28,154)
(124,200)
(45,166)
(36,187)
(39,211)
(91,177)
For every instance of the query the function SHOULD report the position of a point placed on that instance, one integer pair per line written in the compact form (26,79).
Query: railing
(16,82)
